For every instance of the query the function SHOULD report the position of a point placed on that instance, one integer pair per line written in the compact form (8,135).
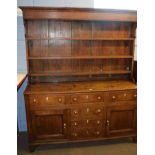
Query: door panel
(49,124)
(121,120)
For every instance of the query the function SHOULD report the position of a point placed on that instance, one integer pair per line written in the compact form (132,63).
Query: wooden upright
(80,71)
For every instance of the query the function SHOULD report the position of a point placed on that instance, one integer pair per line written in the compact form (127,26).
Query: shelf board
(81,73)
(82,57)
(65,38)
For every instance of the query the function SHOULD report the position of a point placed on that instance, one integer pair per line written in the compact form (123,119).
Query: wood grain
(80,71)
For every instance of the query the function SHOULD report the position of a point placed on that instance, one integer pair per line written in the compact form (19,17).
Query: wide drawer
(86,98)
(88,123)
(85,112)
(48,99)
(128,95)
(87,133)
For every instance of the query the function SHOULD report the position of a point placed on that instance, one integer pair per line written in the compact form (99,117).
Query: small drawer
(46,99)
(98,123)
(86,98)
(130,95)
(87,112)
(86,133)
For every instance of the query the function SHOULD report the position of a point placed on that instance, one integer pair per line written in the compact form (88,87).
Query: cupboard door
(121,120)
(50,124)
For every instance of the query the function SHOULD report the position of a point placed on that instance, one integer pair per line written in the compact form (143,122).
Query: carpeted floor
(110,147)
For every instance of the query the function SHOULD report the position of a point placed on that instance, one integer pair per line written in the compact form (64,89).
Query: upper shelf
(82,57)
(81,73)
(65,38)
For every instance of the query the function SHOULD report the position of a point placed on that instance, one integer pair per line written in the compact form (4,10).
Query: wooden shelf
(80,73)
(82,57)
(65,38)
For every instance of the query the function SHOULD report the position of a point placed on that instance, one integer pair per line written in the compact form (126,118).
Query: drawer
(48,99)
(121,96)
(86,98)
(98,123)
(86,133)
(87,112)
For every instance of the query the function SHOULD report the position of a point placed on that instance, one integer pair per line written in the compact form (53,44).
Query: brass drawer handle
(59,99)
(97,132)
(87,109)
(108,122)
(124,94)
(87,121)
(98,110)
(75,112)
(46,98)
(75,123)
(87,97)
(34,100)
(99,97)
(75,99)
(75,134)
(65,125)
(98,122)
(113,97)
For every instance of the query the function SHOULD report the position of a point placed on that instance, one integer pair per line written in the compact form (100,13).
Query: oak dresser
(80,74)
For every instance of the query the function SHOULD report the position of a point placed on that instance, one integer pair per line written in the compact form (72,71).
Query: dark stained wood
(80,86)
(121,119)
(82,38)
(80,70)
(82,57)
(78,14)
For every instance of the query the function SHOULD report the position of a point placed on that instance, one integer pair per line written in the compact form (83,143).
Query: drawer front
(83,133)
(88,123)
(86,112)
(130,95)
(86,98)
(43,100)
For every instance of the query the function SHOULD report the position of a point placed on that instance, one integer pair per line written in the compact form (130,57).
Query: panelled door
(50,124)
(121,120)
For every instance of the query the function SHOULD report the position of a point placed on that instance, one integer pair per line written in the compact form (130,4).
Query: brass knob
(107,122)
(87,97)
(34,100)
(97,132)
(59,99)
(75,112)
(98,110)
(99,97)
(98,122)
(124,94)
(87,132)
(64,125)
(75,123)
(74,134)
(87,109)
(46,98)
(87,121)
(75,99)
(114,97)
(135,95)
